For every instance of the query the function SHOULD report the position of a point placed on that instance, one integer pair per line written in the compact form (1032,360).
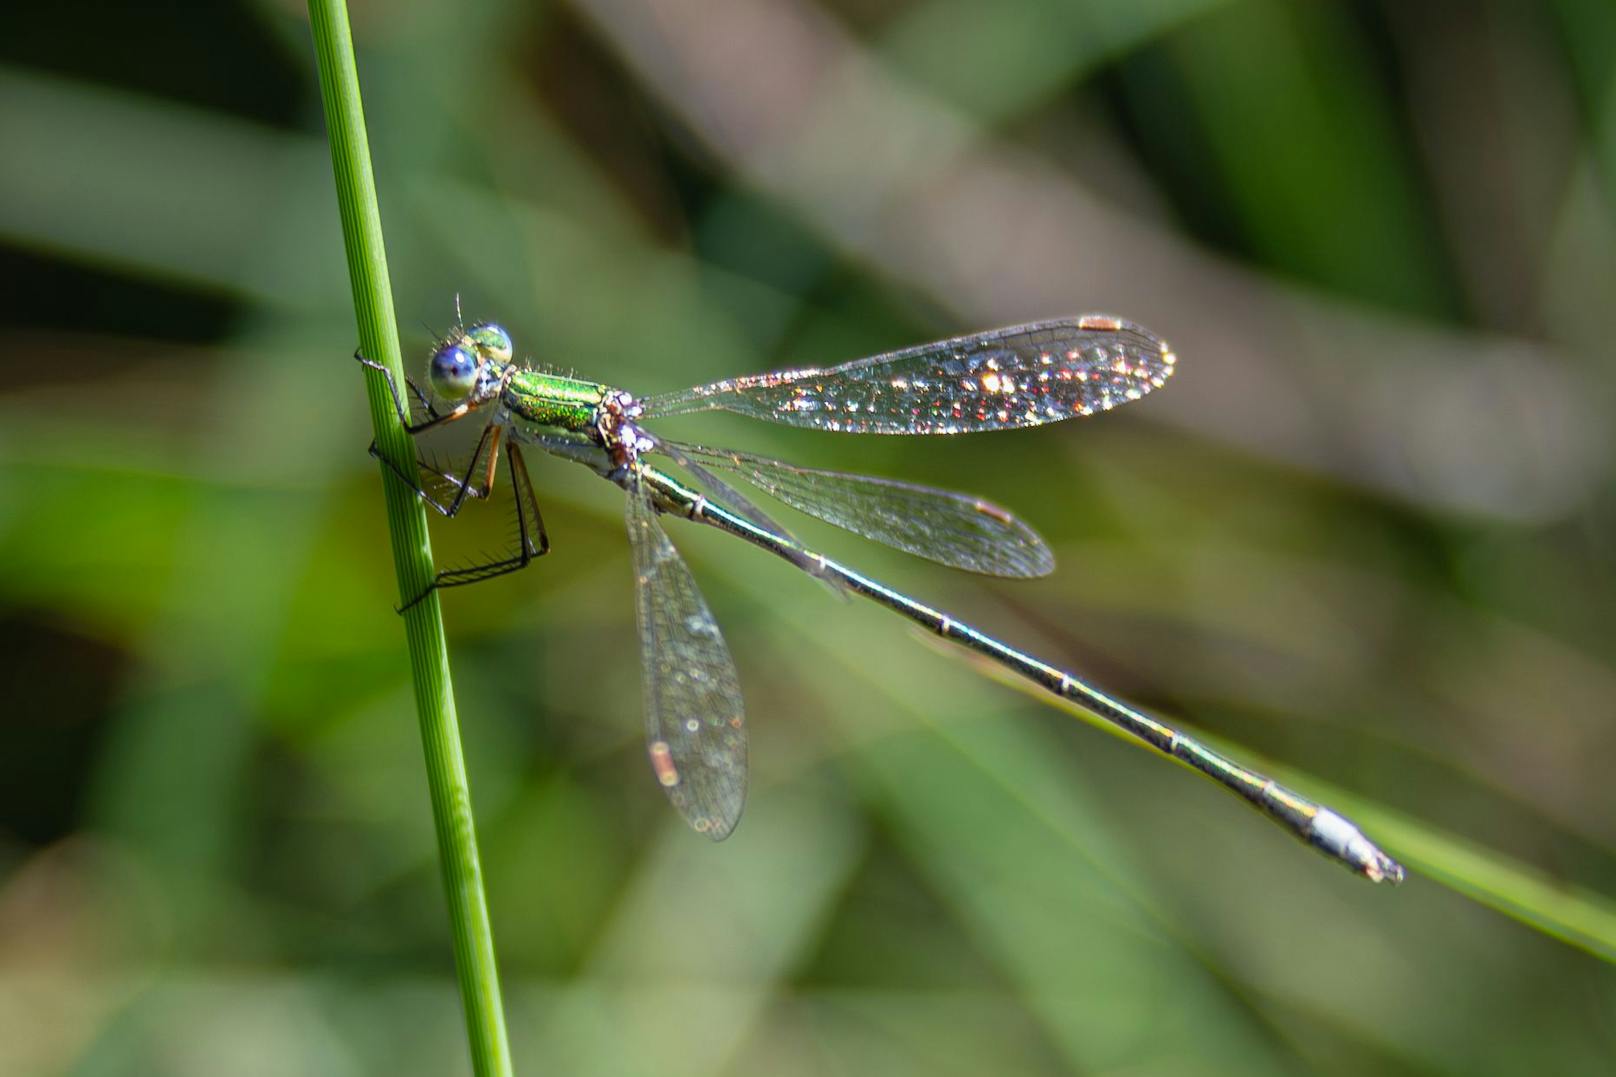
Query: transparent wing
(695,728)
(951,528)
(1005,378)
(580,449)
(721,491)
(575,447)
(726,495)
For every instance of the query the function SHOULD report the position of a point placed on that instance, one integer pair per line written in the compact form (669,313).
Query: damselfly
(1001,379)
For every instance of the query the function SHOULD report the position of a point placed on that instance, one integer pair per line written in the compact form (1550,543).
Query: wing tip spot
(662,763)
(992,512)
(1100,323)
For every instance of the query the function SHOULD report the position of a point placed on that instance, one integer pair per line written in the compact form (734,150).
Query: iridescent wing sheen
(951,528)
(695,727)
(1002,379)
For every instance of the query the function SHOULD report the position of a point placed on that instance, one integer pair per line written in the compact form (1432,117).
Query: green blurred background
(1364,537)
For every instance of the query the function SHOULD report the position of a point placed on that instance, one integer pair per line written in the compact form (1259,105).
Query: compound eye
(453,371)
(492,341)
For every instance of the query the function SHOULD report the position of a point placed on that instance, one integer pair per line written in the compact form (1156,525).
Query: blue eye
(492,341)
(453,371)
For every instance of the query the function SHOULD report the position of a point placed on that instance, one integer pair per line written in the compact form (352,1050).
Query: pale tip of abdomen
(1338,837)
(1385,869)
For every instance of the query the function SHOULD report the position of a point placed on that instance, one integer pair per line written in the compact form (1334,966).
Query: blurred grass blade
(1575,916)
(412,552)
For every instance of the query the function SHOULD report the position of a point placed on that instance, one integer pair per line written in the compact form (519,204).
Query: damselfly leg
(531,540)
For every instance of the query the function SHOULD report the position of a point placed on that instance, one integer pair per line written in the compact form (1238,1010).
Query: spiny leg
(462,485)
(527,506)
(434,420)
(404,416)
(529,523)
(489,440)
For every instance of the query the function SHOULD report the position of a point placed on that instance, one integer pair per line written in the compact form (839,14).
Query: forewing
(951,528)
(695,726)
(1002,379)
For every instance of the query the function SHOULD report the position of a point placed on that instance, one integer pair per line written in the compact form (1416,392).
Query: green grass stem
(412,550)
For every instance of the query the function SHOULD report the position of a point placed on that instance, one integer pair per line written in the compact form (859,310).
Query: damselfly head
(453,370)
(491,341)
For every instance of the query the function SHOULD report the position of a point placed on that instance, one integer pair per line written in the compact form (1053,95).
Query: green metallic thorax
(550,400)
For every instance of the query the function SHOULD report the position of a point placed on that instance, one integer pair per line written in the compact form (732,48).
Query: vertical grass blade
(412,551)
